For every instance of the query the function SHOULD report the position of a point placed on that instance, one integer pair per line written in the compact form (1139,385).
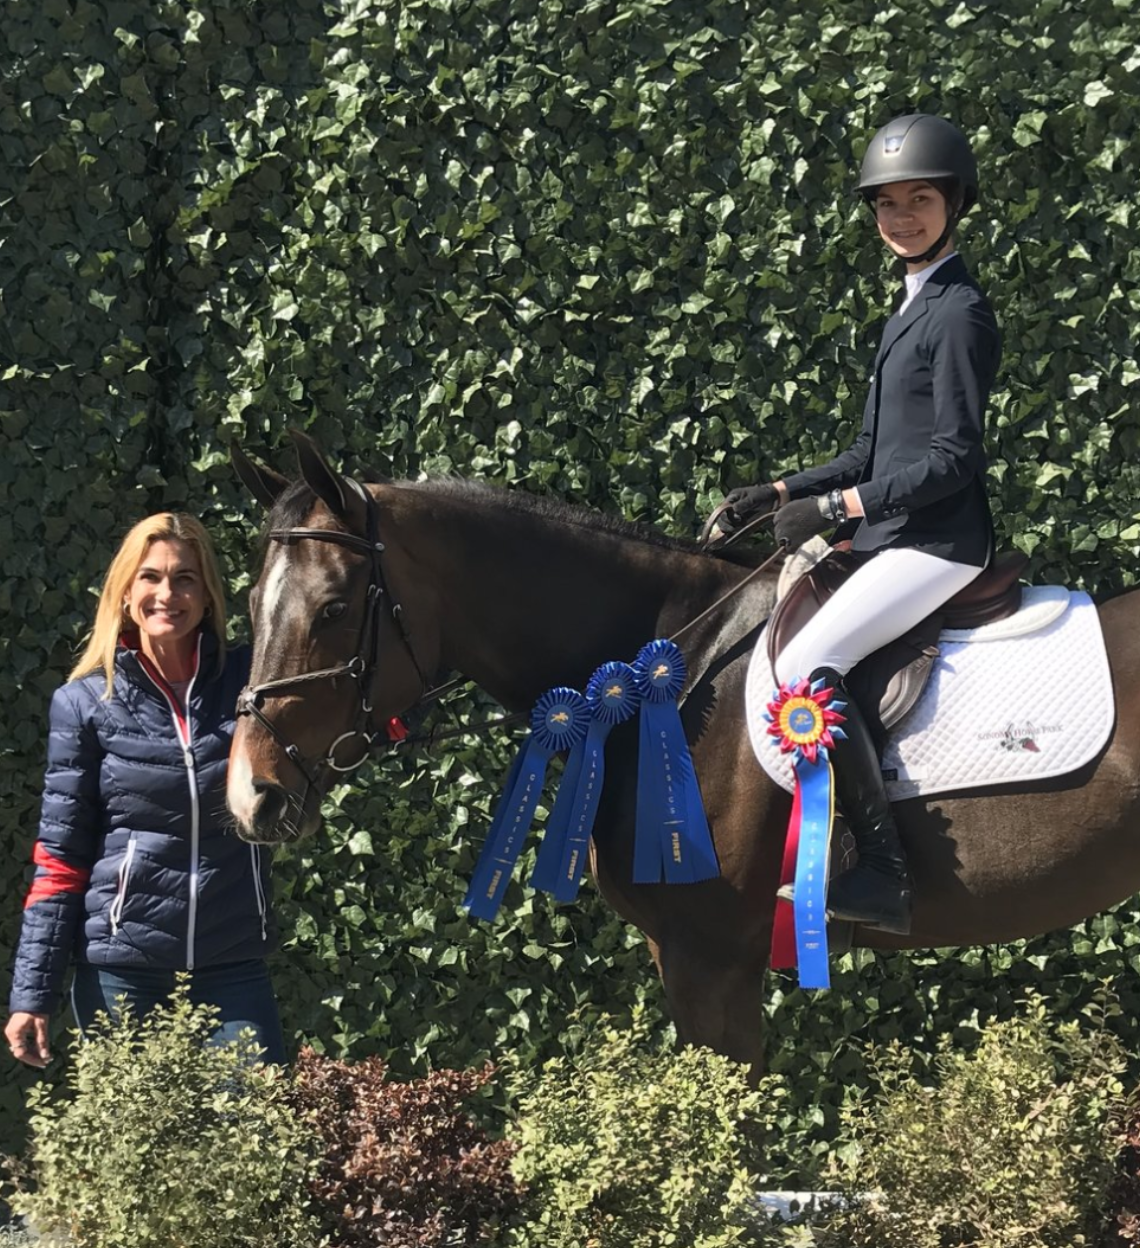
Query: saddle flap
(889,682)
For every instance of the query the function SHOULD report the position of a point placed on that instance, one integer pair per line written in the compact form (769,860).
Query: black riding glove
(744,503)
(800,521)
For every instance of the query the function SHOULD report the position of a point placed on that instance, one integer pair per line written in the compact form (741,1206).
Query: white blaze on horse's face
(241,796)
(240,793)
(272,593)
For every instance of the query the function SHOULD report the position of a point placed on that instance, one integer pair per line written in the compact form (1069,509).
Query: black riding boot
(876,891)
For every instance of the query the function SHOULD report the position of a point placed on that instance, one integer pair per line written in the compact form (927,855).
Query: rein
(707,543)
(362,666)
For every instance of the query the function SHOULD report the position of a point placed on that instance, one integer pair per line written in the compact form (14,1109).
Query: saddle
(888,682)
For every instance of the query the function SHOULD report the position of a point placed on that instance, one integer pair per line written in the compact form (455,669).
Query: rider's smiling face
(910,216)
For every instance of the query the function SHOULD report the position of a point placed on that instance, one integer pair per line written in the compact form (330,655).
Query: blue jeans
(242,991)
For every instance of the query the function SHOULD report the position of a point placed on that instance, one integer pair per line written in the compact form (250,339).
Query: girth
(888,682)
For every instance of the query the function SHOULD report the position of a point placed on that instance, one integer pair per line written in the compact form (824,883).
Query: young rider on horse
(910,491)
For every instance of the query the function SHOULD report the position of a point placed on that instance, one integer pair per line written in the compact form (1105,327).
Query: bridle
(361,667)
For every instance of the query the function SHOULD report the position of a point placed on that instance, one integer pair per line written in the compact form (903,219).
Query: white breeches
(883,599)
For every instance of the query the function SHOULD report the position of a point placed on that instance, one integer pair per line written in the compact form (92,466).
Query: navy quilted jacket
(136,864)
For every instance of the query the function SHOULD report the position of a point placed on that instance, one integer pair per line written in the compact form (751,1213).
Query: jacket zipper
(183,727)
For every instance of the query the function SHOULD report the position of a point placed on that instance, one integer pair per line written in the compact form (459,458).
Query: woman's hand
(27,1036)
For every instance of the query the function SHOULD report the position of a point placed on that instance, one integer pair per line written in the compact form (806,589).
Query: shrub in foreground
(629,1145)
(404,1166)
(1012,1145)
(159,1140)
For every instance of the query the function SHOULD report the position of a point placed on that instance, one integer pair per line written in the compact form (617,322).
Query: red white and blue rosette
(612,696)
(559,720)
(672,840)
(804,721)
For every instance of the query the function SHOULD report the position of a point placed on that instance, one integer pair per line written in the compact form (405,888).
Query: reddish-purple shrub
(1123,1230)
(404,1167)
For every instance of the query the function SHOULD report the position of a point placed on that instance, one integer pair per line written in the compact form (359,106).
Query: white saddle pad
(1024,706)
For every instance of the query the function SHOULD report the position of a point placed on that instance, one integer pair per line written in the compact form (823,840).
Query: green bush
(630,1145)
(166,1142)
(14,1237)
(1013,1145)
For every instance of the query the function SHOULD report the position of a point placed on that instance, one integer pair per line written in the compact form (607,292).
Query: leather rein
(362,666)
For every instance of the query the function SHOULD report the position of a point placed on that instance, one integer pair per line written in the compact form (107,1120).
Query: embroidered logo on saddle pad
(1002,712)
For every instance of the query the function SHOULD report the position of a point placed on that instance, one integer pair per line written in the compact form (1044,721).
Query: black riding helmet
(920,146)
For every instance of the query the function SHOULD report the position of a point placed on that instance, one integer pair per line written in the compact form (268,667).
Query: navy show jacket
(137,864)
(919,459)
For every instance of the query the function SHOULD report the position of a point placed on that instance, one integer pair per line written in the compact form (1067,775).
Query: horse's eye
(334,610)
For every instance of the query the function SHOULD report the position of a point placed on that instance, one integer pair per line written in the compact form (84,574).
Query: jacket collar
(129,654)
(951,273)
(952,270)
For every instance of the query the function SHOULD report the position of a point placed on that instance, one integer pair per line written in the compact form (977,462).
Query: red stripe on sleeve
(56,877)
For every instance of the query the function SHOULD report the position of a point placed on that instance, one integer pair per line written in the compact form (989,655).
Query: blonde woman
(137,873)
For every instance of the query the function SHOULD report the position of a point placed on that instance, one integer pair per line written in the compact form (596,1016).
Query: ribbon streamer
(804,721)
(612,698)
(559,720)
(671,835)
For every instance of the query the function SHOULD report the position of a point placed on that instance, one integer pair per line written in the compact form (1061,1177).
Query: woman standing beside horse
(138,875)
(910,492)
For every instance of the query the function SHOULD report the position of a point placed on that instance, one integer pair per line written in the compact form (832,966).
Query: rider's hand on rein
(744,503)
(799,521)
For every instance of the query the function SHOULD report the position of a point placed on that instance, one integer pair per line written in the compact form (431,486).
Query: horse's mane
(294,505)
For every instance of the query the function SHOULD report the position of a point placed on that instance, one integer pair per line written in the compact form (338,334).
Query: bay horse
(368,591)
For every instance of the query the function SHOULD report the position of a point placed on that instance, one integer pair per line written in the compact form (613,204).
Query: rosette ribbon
(671,833)
(612,697)
(804,721)
(559,720)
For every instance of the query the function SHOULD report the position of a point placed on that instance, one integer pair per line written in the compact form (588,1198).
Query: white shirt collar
(916,281)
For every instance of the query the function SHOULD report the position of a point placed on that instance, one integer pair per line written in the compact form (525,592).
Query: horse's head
(334,657)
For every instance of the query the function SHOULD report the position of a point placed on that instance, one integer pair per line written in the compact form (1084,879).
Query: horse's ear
(263,483)
(328,485)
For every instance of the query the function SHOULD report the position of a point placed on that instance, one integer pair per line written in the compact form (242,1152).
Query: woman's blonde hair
(166,526)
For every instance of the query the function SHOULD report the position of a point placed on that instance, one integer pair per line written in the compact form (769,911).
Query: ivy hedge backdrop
(606,251)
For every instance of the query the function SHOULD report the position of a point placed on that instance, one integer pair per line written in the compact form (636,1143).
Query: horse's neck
(527,602)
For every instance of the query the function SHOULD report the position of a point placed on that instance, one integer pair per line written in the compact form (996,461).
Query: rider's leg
(876,890)
(883,599)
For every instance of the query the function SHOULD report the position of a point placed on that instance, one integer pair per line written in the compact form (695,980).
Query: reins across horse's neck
(362,666)
(434,735)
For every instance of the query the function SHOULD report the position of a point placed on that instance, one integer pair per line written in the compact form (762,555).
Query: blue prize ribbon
(559,720)
(805,721)
(671,834)
(810,906)
(612,698)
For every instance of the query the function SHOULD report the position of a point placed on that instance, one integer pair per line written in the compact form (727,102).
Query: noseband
(361,667)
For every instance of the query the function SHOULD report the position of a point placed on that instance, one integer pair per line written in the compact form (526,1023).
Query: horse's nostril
(271,802)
